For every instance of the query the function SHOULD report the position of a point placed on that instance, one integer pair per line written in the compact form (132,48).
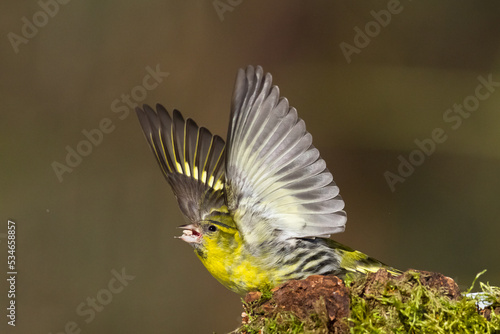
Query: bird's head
(208,235)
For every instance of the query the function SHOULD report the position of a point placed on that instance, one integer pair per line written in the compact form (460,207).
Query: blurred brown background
(114,210)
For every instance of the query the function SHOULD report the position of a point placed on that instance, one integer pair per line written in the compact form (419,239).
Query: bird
(261,206)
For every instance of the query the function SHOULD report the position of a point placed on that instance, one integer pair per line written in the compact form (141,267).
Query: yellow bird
(262,206)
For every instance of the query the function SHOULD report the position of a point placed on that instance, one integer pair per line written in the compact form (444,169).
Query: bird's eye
(212,228)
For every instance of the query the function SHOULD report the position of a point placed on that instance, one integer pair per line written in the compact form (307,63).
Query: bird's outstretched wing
(277,185)
(191,159)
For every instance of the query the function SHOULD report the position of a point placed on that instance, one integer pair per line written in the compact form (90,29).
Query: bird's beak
(190,234)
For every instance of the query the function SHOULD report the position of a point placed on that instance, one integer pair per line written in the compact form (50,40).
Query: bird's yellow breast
(235,267)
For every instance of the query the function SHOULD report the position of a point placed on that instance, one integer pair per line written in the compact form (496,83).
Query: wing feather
(277,183)
(191,159)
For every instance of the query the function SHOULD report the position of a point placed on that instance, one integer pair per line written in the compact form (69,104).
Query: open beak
(190,234)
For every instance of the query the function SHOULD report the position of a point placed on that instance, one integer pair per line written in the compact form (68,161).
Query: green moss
(279,323)
(397,307)
(267,294)
(405,308)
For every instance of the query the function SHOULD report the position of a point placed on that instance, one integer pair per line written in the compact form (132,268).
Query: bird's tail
(356,262)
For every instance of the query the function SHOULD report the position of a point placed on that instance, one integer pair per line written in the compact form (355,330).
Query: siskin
(262,206)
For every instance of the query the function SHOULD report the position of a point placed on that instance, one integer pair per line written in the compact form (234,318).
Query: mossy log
(413,302)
